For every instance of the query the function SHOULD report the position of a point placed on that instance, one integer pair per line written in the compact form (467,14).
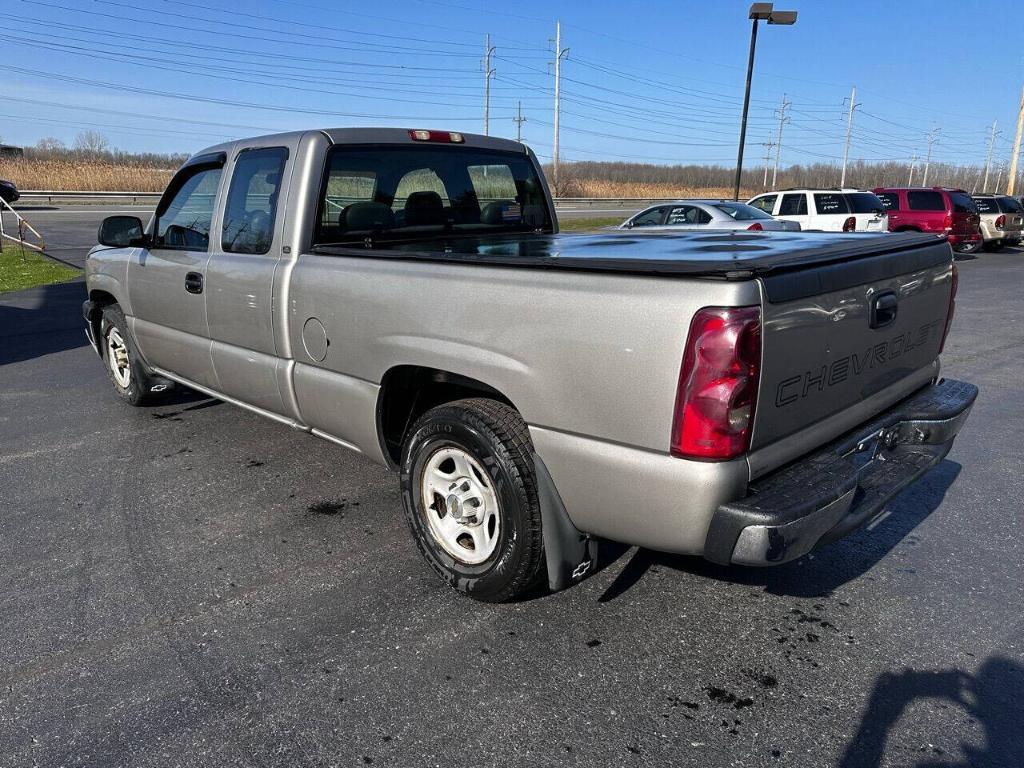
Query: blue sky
(657,81)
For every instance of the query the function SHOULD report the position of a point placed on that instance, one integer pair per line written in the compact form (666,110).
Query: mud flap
(571,555)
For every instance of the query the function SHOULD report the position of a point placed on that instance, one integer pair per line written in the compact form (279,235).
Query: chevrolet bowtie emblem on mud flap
(581,570)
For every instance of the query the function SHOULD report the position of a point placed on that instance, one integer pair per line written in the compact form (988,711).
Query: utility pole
(849,132)
(778,145)
(519,120)
(913,163)
(1011,180)
(988,159)
(559,53)
(999,177)
(932,136)
(767,158)
(488,74)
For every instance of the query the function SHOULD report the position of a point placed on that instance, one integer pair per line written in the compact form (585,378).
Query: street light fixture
(758,12)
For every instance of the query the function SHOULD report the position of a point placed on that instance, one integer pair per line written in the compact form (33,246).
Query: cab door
(240,279)
(167,280)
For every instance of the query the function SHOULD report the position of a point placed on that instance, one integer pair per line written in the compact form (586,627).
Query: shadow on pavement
(826,569)
(994,697)
(41,321)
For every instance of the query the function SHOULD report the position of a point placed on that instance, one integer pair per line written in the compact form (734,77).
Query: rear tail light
(442,137)
(718,384)
(850,224)
(755,227)
(947,223)
(952,308)
(1000,222)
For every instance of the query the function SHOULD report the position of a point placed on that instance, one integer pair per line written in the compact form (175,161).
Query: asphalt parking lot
(192,585)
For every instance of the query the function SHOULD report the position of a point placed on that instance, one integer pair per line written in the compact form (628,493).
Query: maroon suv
(939,210)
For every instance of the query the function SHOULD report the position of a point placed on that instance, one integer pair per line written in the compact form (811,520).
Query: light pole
(758,12)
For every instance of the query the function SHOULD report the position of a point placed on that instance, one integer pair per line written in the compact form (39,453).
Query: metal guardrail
(151,197)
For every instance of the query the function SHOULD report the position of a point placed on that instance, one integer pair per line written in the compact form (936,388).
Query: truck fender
(570,554)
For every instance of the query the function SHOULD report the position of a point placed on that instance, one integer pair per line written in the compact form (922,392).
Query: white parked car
(828,210)
(706,214)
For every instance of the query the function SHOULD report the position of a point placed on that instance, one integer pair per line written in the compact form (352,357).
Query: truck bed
(722,255)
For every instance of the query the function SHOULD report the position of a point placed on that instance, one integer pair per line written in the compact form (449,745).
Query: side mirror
(121,231)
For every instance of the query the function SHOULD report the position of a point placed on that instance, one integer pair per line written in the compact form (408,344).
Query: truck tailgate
(836,334)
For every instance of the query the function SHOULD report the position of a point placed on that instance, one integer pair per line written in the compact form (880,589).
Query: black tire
(992,246)
(138,388)
(496,437)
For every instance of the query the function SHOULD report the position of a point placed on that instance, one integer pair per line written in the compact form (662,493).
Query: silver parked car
(707,214)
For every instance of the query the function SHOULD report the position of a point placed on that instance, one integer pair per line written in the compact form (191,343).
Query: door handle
(194,282)
(883,309)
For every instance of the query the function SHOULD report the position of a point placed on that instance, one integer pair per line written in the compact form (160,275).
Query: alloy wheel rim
(117,358)
(460,505)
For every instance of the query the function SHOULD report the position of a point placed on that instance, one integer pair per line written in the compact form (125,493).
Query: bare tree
(92,142)
(48,144)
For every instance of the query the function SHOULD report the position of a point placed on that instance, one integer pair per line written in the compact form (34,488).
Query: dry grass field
(86,175)
(627,189)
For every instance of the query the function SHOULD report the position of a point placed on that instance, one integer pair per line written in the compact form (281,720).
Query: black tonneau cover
(725,255)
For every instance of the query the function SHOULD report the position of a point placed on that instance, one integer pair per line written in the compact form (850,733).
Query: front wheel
(125,369)
(470,496)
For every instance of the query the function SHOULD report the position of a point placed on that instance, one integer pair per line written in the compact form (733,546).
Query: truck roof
(371,136)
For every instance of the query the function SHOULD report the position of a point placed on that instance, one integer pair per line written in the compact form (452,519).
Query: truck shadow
(826,569)
(994,697)
(41,321)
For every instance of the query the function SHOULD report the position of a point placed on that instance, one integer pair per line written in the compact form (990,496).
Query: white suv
(829,210)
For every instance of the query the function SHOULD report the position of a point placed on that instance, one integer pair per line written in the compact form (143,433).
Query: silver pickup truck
(406,294)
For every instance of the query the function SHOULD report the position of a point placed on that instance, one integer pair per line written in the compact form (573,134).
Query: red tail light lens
(440,137)
(718,384)
(952,308)
(947,223)
(850,224)
(755,227)
(1000,222)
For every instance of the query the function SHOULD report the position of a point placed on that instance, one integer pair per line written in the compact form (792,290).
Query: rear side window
(252,200)
(890,200)
(793,205)
(1010,205)
(688,214)
(864,202)
(828,203)
(962,203)
(986,204)
(184,219)
(925,200)
(766,203)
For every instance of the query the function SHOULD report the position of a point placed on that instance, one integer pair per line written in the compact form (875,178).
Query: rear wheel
(125,368)
(993,245)
(470,496)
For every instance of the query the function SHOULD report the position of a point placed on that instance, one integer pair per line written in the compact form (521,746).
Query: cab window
(766,203)
(830,203)
(925,200)
(890,200)
(793,205)
(651,218)
(252,200)
(185,217)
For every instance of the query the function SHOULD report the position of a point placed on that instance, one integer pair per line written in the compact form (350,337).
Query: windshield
(865,202)
(401,192)
(741,211)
